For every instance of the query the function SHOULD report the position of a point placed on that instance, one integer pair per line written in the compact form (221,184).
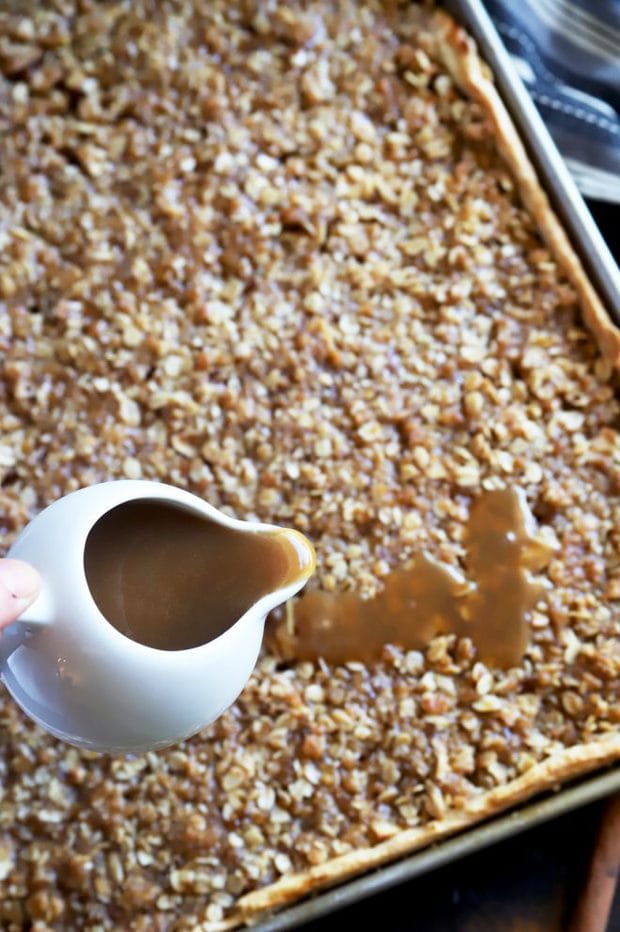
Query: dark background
(608,218)
(529,883)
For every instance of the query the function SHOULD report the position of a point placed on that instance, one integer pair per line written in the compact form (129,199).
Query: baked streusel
(269,252)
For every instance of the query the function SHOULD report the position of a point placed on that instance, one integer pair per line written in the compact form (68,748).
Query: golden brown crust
(460,57)
(544,776)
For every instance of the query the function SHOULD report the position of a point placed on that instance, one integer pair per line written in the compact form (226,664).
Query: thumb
(20,584)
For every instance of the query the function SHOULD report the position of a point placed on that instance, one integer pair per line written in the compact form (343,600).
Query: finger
(20,584)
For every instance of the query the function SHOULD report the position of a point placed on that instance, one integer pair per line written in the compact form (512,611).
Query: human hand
(19,586)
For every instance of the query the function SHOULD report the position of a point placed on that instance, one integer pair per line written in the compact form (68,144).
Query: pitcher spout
(305,553)
(292,561)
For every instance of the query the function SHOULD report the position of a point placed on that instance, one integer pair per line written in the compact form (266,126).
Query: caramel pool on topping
(491,605)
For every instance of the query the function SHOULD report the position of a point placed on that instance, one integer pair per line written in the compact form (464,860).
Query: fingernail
(20,579)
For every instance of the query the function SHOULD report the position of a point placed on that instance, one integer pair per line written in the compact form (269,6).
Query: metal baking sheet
(443,852)
(555,176)
(605,276)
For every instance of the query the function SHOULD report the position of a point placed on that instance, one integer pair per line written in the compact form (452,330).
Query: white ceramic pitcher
(83,680)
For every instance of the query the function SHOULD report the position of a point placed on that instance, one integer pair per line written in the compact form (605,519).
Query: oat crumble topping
(266,252)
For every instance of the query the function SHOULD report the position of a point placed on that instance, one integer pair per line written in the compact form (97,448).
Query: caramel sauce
(491,605)
(170,579)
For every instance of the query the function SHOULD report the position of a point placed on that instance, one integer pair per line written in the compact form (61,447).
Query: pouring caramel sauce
(171,579)
(491,605)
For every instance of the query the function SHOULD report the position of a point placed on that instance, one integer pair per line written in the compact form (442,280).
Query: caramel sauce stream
(491,606)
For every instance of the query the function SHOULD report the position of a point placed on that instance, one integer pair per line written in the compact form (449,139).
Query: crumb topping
(267,252)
